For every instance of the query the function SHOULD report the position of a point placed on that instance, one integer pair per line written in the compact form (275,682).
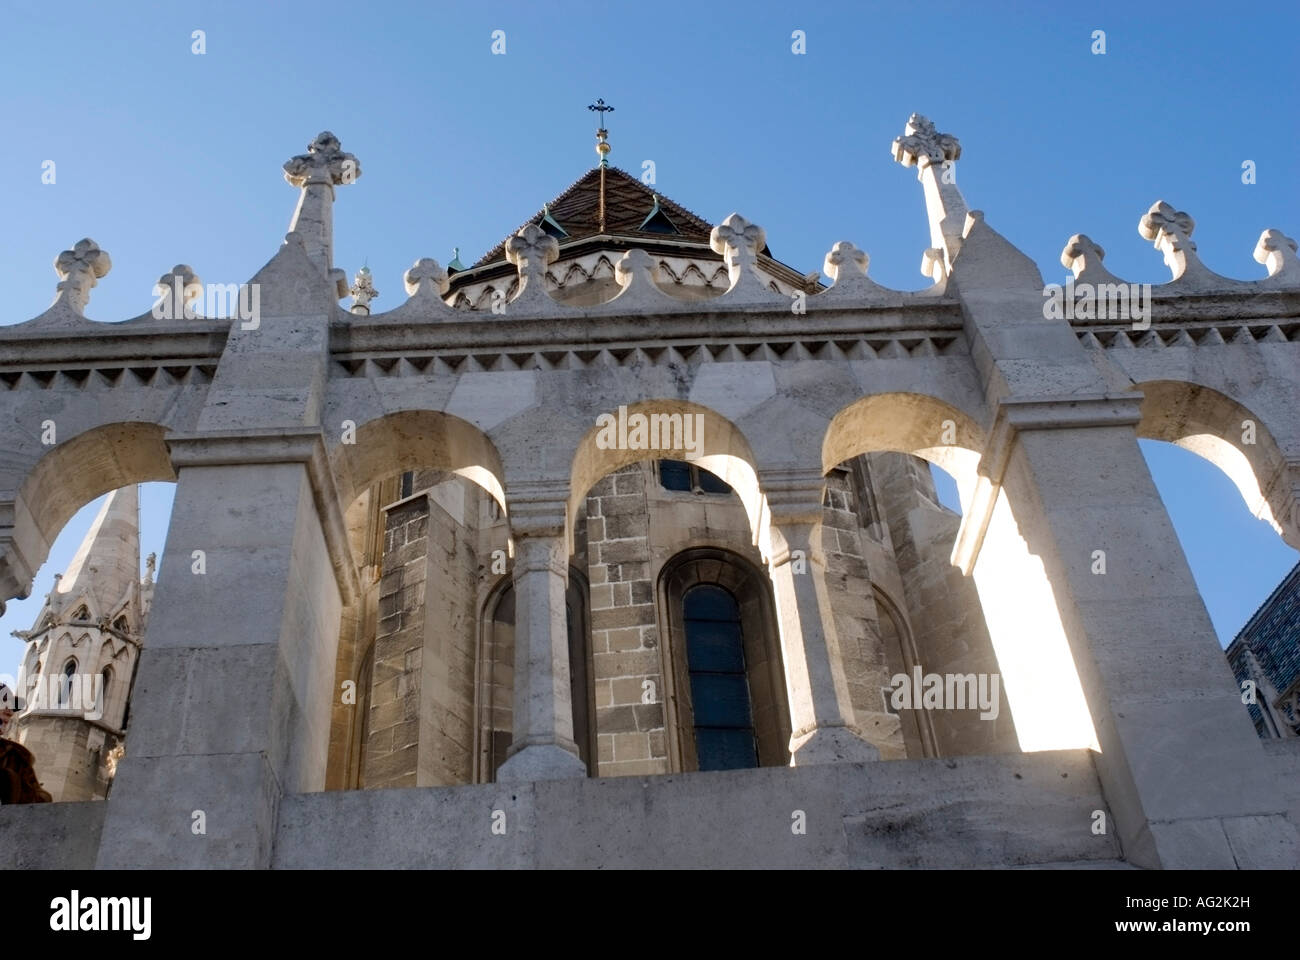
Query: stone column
(231,704)
(542,747)
(1182,770)
(822,723)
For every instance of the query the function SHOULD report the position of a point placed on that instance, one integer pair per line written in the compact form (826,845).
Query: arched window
(65,683)
(120,625)
(725,697)
(82,613)
(106,678)
(715,656)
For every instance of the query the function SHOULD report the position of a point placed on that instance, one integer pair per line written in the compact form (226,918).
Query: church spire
(107,564)
(602,148)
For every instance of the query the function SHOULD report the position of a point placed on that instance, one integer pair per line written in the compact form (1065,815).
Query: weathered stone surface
(278,426)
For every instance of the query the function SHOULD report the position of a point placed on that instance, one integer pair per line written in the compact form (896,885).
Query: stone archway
(1037,670)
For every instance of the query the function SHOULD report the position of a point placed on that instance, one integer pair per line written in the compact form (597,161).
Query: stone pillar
(231,705)
(821,711)
(1182,770)
(542,747)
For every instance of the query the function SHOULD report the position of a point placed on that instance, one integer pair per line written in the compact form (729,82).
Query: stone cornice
(109,344)
(305,446)
(695,323)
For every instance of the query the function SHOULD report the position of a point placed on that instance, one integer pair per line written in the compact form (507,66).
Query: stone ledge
(1014,810)
(51,836)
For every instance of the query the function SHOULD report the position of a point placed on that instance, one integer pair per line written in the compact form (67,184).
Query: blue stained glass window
(712,483)
(675,475)
(715,654)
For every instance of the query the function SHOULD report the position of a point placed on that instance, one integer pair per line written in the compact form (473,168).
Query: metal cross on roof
(600,107)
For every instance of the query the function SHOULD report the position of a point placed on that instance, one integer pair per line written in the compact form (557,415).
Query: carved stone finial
(635,266)
(324,162)
(739,242)
(845,261)
(79,269)
(363,291)
(177,290)
(1277,251)
(150,565)
(1083,257)
(921,145)
(530,250)
(635,272)
(1079,248)
(1170,232)
(425,273)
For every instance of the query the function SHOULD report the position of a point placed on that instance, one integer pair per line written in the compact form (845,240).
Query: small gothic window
(715,654)
(120,625)
(686,477)
(65,682)
(675,475)
(82,613)
(106,677)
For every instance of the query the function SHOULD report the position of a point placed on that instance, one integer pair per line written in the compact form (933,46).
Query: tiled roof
(628,202)
(1273,635)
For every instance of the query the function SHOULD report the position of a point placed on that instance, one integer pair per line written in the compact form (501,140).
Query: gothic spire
(107,564)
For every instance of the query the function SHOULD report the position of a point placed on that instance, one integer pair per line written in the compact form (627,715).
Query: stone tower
(81,654)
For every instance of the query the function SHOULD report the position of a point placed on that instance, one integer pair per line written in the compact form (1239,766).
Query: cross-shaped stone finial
(635,272)
(428,274)
(921,145)
(324,162)
(1277,251)
(363,291)
(635,266)
(1083,257)
(846,262)
(1170,232)
(176,291)
(739,242)
(79,269)
(531,249)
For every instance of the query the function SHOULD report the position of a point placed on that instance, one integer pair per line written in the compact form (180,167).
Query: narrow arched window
(715,654)
(105,678)
(65,682)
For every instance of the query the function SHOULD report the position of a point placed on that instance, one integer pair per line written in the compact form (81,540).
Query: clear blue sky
(165,156)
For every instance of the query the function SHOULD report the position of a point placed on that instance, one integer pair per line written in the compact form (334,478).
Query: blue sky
(165,156)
